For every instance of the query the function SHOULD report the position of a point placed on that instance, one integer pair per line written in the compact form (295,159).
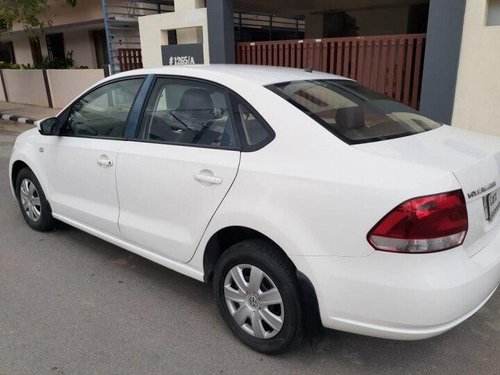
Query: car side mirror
(47,126)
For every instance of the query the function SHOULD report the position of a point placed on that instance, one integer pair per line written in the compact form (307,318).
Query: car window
(254,131)
(352,112)
(188,112)
(104,111)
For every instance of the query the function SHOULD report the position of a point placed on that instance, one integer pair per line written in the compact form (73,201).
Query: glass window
(254,131)
(188,112)
(103,112)
(352,112)
(7,52)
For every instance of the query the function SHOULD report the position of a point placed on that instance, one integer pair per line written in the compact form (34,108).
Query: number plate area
(491,204)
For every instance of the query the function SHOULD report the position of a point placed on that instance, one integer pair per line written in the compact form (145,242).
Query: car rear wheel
(34,206)
(257,295)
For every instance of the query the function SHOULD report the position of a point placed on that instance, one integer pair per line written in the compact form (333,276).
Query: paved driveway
(73,304)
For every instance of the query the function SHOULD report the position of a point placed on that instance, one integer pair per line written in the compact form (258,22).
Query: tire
(266,316)
(31,198)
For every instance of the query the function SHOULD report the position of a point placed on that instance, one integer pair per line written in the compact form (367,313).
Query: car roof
(257,74)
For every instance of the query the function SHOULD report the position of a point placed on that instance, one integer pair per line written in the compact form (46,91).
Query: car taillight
(423,225)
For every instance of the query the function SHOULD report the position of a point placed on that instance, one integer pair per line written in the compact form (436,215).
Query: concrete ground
(73,304)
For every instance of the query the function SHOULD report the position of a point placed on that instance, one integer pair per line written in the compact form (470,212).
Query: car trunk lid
(473,158)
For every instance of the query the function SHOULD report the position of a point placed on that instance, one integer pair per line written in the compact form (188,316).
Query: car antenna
(309,69)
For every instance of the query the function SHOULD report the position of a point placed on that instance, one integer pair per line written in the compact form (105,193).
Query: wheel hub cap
(254,301)
(30,200)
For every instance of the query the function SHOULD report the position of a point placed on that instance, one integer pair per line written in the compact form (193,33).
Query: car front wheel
(257,295)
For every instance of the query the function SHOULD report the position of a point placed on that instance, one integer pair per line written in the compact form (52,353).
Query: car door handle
(208,178)
(103,161)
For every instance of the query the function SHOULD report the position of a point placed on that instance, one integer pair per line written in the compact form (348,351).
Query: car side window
(188,112)
(254,130)
(104,111)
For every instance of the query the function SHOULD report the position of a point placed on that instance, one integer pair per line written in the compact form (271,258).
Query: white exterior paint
(317,200)
(172,236)
(477,94)
(2,95)
(22,49)
(82,45)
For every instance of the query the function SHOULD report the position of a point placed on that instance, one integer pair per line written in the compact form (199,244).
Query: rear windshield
(352,112)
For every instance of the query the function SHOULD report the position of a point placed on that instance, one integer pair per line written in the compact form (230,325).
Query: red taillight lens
(423,225)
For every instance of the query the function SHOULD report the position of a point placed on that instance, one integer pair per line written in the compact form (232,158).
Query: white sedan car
(305,198)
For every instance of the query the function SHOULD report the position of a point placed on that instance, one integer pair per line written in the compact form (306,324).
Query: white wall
(25,86)
(477,97)
(22,49)
(82,45)
(66,84)
(28,86)
(2,94)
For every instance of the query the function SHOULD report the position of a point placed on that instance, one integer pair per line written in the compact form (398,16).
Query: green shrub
(46,63)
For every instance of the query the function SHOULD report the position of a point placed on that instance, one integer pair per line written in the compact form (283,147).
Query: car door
(81,161)
(174,176)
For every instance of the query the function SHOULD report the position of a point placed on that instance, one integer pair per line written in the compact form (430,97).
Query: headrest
(350,117)
(196,99)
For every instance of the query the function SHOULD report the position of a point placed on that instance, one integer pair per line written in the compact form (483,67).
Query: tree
(29,13)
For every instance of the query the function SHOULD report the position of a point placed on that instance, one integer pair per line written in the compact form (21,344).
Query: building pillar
(190,22)
(180,5)
(442,58)
(189,35)
(221,31)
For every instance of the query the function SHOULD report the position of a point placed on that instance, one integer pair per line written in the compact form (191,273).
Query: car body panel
(26,150)
(162,206)
(80,187)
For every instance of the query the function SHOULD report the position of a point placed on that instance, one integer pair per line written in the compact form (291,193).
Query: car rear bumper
(403,296)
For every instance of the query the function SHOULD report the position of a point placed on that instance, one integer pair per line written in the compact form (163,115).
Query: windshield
(352,112)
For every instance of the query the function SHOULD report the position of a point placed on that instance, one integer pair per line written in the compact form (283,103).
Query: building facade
(79,33)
